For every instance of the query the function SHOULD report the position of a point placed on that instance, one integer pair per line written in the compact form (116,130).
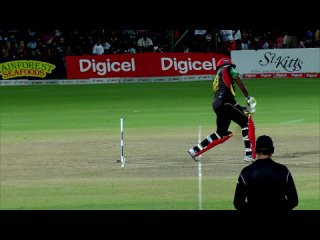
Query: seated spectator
(47,37)
(8,52)
(32,47)
(145,44)
(98,48)
(245,42)
(269,45)
(5,52)
(132,50)
(21,51)
(280,40)
(258,42)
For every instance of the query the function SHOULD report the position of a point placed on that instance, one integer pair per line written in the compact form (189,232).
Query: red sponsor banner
(141,65)
(266,75)
(312,75)
(250,76)
(297,75)
(281,75)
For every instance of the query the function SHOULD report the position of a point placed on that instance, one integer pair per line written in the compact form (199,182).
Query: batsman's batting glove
(251,110)
(247,110)
(251,101)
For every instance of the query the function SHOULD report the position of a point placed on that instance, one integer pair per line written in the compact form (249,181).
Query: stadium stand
(20,44)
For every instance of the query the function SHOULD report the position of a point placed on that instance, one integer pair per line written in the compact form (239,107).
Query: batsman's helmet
(225,61)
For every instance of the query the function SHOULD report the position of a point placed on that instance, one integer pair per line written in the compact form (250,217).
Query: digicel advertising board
(141,65)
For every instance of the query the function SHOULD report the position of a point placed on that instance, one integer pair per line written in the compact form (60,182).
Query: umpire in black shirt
(265,185)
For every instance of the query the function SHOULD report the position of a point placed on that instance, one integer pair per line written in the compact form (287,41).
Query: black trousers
(227,113)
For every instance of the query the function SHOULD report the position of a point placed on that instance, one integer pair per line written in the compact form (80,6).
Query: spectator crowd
(20,44)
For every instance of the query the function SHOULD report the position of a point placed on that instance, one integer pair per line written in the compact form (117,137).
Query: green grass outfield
(41,123)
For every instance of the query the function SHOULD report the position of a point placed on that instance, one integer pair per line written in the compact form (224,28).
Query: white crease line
(293,121)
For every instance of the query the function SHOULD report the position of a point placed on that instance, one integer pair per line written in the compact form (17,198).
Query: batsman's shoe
(248,158)
(192,154)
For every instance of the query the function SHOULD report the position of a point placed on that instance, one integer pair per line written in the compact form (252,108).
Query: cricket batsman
(227,109)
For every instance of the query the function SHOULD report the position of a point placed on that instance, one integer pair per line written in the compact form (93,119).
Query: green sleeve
(233,73)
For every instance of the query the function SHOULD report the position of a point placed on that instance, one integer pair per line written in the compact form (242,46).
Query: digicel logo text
(103,67)
(185,66)
(26,68)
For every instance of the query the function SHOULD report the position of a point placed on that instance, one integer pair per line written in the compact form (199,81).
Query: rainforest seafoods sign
(25,68)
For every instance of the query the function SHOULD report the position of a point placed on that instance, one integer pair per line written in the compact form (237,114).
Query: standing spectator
(106,46)
(237,38)
(125,43)
(114,42)
(265,185)
(60,47)
(292,40)
(131,33)
(75,42)
(209,46)
(228,41)
(98,48)
(199,41)
(317,38)
(309,39)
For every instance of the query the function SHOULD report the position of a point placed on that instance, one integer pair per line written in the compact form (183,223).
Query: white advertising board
(298,60)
